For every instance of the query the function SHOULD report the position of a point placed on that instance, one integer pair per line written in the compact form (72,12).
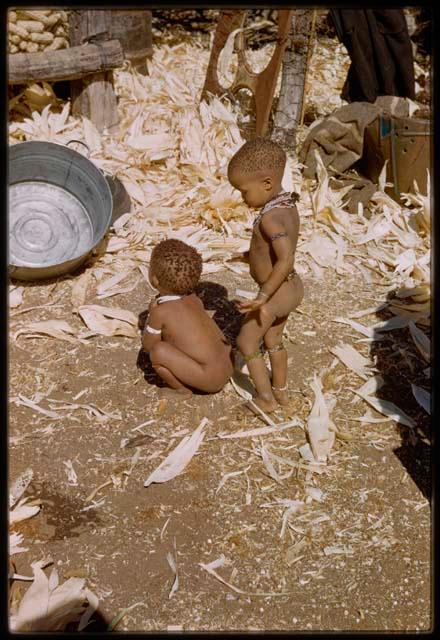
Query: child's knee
(246,344)
(157,353)
(274,340)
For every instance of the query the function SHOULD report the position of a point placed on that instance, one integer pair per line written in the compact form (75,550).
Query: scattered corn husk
(215,564)
(423,397)
(421,341)
(339,549)
(172,561)
(262,431)
(179,457)
(226,477)
(122,322)
(59,329)
(93,411)
(122,613)
(47,605)
(320,429)
(19,486)
(269,466)
(369,332)
(353,360)
(315,493)
(27,402)
(383,406)
(15,296)
(71,474)
(23,511)
(15,540)
(244,393)
(80,288)
(93,601)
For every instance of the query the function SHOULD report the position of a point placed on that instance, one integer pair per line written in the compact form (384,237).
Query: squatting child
(186,347)
(256,170)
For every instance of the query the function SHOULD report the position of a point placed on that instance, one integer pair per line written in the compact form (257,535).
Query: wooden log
(94,97)
(68,64)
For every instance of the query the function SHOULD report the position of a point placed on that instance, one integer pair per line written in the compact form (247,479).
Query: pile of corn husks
(171,155)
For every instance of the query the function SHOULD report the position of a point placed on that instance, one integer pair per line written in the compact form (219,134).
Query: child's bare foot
(265,405)
(175,394)
(281,396)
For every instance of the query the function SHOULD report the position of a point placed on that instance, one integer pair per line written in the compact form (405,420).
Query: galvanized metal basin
(60,207)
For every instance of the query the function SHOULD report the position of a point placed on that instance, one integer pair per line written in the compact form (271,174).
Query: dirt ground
(357,559)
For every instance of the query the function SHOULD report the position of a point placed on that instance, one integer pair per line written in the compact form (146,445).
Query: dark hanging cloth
(380,50)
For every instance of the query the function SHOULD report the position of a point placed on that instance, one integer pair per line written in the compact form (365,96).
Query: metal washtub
(60,207)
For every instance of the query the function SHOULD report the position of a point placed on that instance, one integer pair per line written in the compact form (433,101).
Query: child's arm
(241,256)
(284,249)
(152,332)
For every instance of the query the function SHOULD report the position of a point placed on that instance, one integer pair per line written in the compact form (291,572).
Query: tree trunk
(290,103)
(93,97)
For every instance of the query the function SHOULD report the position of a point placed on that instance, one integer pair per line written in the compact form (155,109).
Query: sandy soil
(359,559)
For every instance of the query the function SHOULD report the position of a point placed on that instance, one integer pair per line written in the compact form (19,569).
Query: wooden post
(289,110)
(93,96)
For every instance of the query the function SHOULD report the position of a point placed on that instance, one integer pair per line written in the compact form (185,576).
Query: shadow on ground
(400,364)
(215,298)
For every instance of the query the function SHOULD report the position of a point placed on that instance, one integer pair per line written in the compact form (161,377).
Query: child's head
(256,170)
(175,267)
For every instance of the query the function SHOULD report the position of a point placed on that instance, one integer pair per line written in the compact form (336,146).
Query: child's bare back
(186,347)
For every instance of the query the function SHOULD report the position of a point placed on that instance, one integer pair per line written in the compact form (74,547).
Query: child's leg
(255,326)
(278,359)
(180,371)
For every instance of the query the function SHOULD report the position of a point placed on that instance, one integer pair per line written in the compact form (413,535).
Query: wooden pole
(67,64)
(290,103)
(93,96)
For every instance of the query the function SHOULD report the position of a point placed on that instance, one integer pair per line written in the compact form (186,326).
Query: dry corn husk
(320,428)
(421,341)
(15,296)
(423,397)
(49,606)
(109,321)
(179,457)
(353,360)
(54,328)
(384,407)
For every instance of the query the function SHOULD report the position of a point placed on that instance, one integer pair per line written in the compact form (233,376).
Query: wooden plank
(94,96)
(67,64)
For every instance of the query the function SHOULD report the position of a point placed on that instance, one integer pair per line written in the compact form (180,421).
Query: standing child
(256,170)
(186,347)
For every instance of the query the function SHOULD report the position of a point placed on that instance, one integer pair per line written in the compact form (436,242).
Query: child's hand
(247,306)
(239,256)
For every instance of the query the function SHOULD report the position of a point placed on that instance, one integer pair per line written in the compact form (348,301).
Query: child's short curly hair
(259,154)
(176,265)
